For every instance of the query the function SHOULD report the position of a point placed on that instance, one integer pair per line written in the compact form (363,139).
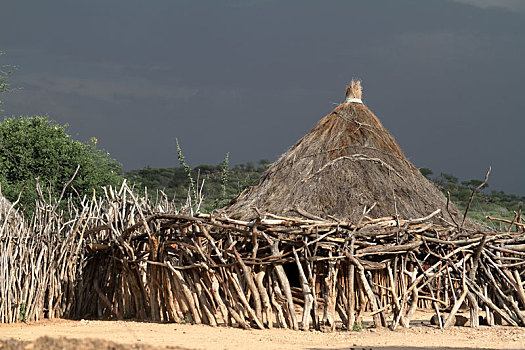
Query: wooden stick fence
(125,257)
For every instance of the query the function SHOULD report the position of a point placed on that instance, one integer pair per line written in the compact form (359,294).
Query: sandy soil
(66,334)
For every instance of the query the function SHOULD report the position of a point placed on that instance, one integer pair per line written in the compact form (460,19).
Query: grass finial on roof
(354,90)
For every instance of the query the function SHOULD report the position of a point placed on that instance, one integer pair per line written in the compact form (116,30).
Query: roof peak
(354,91)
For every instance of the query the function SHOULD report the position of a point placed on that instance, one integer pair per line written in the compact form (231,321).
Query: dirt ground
(84,334)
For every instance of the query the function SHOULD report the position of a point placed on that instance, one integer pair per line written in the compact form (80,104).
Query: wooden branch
(388,249)
(286,286)
(506,221)
(308,298)
(472,197)
(251,284)
(452,316)
(491,305)
(368,290)
(265,298)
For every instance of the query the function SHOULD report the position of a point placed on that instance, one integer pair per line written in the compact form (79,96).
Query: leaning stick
(472,197)
(265,298)
(506,221)
(519,291)
(452,316)
(308,298)
(247,272)
(490,304)
(281,319)
(186,292)
(279,270)
(215,291)
(370,294)
(242,297)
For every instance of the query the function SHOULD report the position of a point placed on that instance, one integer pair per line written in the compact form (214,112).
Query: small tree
(445,178)
(34,148)
(472,184)
(426,172)
(250,166)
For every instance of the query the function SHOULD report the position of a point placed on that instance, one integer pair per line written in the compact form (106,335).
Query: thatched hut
(346,162)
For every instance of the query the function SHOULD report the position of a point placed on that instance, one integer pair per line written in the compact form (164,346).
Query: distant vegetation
(485,203)
(174,183)
(217,190)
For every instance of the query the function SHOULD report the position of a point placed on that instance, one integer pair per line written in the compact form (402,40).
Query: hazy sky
(250,77)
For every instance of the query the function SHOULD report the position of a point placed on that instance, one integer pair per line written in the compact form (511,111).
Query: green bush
(37,147)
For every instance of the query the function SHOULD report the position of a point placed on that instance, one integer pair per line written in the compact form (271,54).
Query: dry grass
(346,162)
(355,90)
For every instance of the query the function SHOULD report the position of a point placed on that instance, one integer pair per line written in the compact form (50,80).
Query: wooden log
(519,291)
(512,222)
(174,312)
(236,316)
(488,312)
(205,303)
(259,277)
(242,297)
(364,283)
(214,286)
(411,309)
(275,295)
(312,275)
(388,249)
(330,294)
(279,270)
(339,307)
(370,278)
(474,310)
(436,308)
(490,304)
(186,290)
(433,267)
(247,272)
(506,299)
(153,294)
(139,294)
(396,307)
(452,316)
(351,292)
(308,297)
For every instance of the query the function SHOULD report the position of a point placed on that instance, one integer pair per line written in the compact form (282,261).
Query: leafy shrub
(34,148)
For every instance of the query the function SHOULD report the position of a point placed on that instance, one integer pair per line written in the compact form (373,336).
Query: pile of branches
(301,272)
(124,256)
(42,259)
(39,262)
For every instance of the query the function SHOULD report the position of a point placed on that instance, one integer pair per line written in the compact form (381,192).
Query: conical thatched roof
(346,162)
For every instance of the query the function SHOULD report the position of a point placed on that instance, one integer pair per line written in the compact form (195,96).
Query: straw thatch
(346,162)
